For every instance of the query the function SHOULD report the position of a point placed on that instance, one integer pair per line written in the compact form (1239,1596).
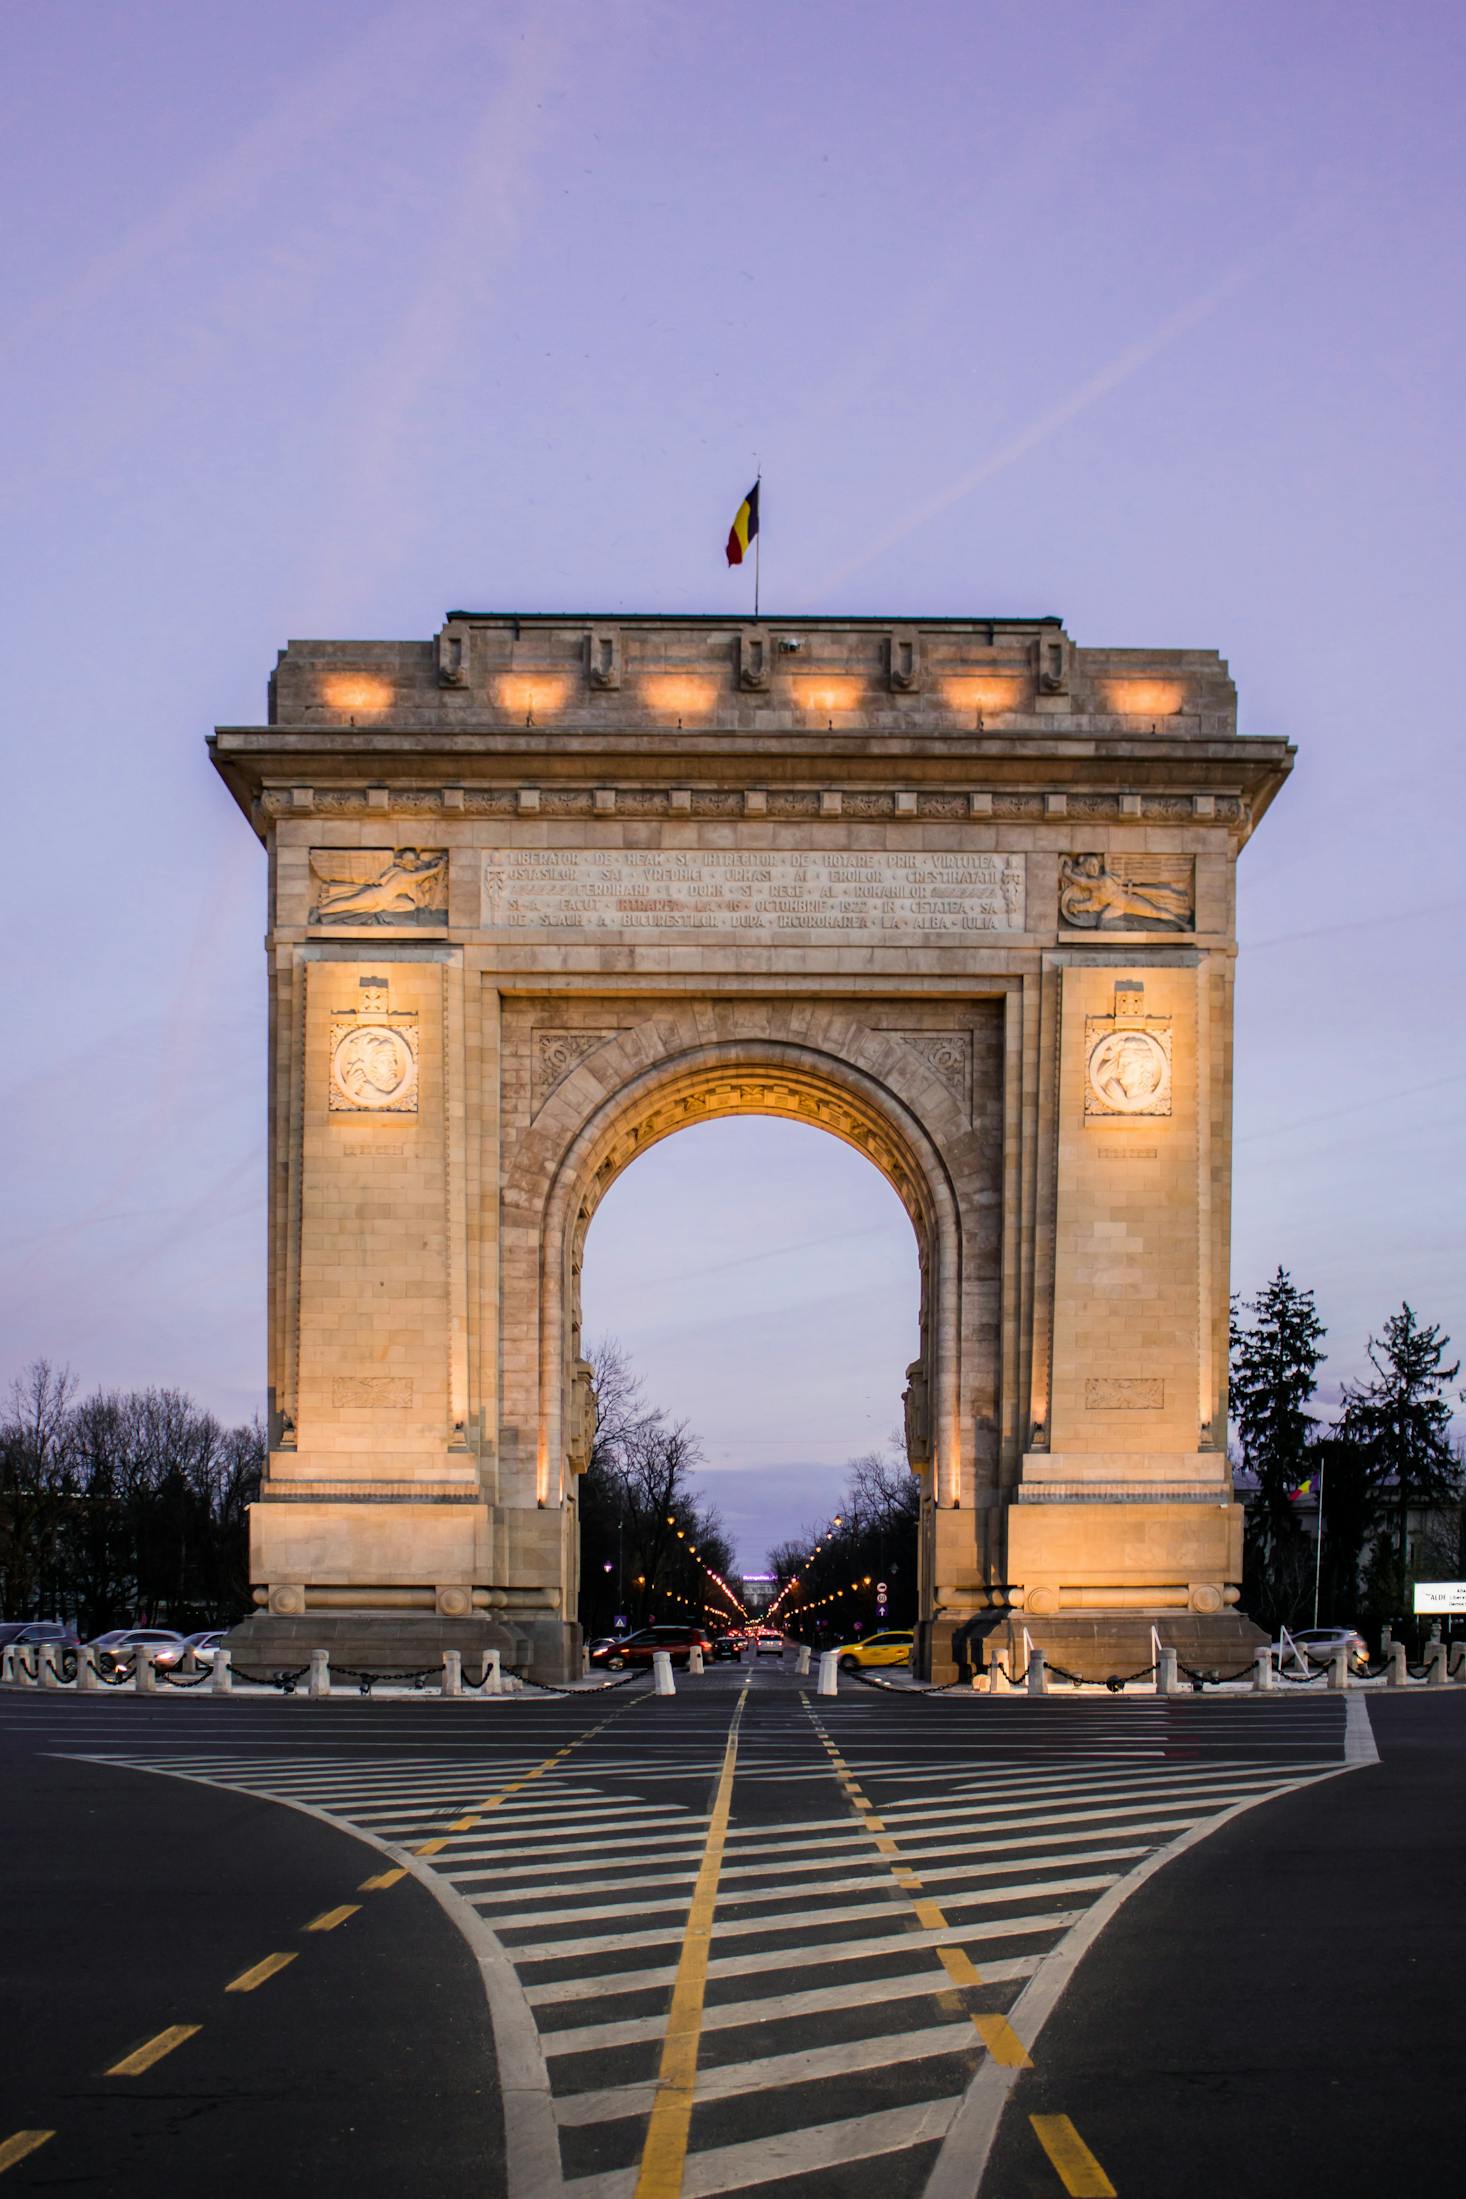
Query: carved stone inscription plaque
(761,890)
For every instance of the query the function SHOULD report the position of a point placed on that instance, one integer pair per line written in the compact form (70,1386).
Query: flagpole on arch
(758,540)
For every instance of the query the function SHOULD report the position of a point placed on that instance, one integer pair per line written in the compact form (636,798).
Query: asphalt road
(748,1940)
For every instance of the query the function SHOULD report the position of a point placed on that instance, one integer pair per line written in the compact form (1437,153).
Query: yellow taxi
(876,1649)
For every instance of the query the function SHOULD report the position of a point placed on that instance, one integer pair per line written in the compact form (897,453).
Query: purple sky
(323,318)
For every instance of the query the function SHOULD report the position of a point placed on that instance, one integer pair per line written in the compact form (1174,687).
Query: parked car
(198,1647)
(25,1633)
(891,1648)
(768,1643)
(1318,1643)
(639,1648)
(118,1645)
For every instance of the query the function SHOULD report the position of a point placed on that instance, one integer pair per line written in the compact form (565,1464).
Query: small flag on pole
(744,527)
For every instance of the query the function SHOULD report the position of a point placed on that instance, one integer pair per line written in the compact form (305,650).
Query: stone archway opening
(764,1283)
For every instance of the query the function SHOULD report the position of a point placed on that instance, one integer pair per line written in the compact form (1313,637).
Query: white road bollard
(801,1662)
(829,1679)
(1435,1661)
(1397,1676)
(7,1666)
(453,1672)
(86,1671)
(320,1678)
(145,1672)
(1264,1679)
(1037,1675)
(1338,1671)
(1456,1662)
(694,1661)
(221,1681)
(493,1672)
(50,1664)
(662,1672)
(1167,1679)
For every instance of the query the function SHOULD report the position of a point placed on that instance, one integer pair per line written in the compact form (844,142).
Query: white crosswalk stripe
(856,1933)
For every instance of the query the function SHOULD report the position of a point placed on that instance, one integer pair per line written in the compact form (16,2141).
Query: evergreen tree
(1399,1424)
(1275,1362)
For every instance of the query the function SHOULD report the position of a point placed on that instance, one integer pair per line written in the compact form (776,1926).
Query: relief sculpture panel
(1130,893)
(379,886)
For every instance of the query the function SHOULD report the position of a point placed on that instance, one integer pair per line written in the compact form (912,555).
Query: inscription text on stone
(752,890)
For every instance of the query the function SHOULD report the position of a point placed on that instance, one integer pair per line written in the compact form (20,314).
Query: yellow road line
(381,1882)
(262,1972)
(24,2142)
(506,1794)
(959,1966)
(133,2065)
(665,2152)
(1002,2042)
(328,1919)
(1079,2171)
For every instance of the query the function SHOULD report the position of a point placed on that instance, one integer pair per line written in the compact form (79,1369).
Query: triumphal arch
(545,889)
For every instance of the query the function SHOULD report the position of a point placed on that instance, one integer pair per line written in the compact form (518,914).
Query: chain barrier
(31,1672)
(869,1679)
(284,1681)
(172,1679)
(1199,1680)
(366,1681)
(118,1675)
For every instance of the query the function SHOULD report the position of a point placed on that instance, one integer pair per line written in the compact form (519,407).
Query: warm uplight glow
(357,693)
(532,694)
(827,695)
(982,692)
(677,695)
(1143,698)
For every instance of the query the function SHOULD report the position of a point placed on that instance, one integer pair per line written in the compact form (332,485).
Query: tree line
(122,1508)
(649,1540)
(1385,1471)
(840,1563)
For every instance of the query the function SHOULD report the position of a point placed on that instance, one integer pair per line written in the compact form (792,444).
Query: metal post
(662,1672)
(222,1679)
(1037,1677)
(453,1672)
(829,1679)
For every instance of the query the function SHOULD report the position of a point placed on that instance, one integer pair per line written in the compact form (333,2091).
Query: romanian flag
(744,527)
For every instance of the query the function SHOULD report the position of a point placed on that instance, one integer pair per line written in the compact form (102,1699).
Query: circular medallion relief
(373,1067)
(1128,1071)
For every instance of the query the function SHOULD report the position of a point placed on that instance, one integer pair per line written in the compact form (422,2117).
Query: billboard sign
(1440,1595)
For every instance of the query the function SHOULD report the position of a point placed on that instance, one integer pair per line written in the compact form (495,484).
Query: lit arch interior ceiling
(748,1078)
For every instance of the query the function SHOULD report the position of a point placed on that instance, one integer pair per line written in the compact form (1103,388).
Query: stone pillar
(662,1673)
(452,1672)
(829,1679)
(320,1675)
(1166,1679)
(7,1665)
(1338,1670)
(694,1661)
(1397,1676)
(1264,1678)
(494,1671)
(801,1662)
(1436,1665)
(86,1671)
(1037,1677)
(145,1672)
(50,1664)
(221,1680)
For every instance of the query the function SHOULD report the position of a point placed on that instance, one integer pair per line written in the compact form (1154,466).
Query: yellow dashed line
(1079,2171)
(23,2143)
(959,1966)
(1002,2042)
(328,1919)
(382,1881)
(262,1972)
(664,2155)
(143,2057)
